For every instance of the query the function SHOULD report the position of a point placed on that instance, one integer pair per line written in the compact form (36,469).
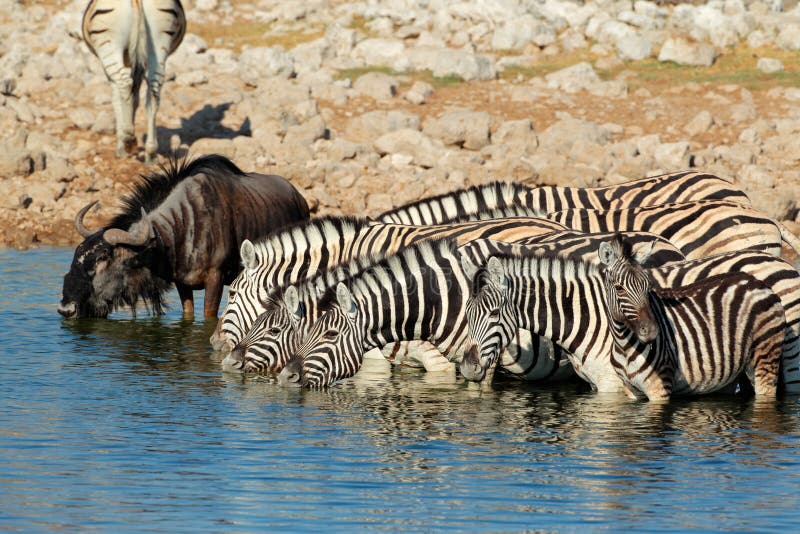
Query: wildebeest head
(111,268)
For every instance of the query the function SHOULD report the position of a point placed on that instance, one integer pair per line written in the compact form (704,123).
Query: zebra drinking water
(132,40)
(303,250)
(562,300)
(271,340)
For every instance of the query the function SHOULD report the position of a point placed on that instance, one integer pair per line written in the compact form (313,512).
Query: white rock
(464,64)
(560,136)
(683,52)
(760,39)
(468,129)
(83,118)
(769,65)
(206,5)
(789,37)
(379,51)
(411,142)
(573,79)
(634,47)
(419,92)
(756,176)
(371,125)
(672,156)
(258,63)
(700,124)
(376,85)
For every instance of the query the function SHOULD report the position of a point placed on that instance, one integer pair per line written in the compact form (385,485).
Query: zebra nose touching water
(132,40)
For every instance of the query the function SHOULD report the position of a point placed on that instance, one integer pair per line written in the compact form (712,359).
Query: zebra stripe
(543,282)
(418,293)
(672,188)
(698,229)
(132,41)
(303,250)
(707,333)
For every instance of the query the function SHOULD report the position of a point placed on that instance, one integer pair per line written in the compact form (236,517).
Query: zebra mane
(327,229)
(501,190)
(154,187)
(525,265)
(505,212)
(420,253)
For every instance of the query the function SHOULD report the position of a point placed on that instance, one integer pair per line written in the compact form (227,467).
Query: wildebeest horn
(115,236)
(82,230)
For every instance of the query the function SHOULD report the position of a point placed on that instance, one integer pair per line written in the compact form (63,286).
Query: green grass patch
(245,34)
(413,76)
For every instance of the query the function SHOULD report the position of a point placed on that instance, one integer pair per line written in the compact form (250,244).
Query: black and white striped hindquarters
(698,229)
(710,333)
(462,204)
(775,273)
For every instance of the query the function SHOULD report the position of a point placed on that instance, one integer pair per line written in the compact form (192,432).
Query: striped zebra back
(672,188)
(471,202)
(462,204)
(297,252)
(698,229)
(711,332)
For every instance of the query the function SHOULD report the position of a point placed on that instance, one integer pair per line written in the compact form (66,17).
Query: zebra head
(246,296)
(491,322)
(332,349)
(273,337)
(628,287)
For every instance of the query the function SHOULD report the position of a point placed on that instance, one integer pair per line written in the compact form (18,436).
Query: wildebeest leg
(187,298)
(213,294)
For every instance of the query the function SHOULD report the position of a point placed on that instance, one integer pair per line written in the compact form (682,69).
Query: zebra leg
(156,66)
(122,101)
(429,356)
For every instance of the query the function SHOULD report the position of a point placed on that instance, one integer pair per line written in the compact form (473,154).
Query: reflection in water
(109,423)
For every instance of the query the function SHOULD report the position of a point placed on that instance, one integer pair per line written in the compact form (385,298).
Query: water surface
(131,424)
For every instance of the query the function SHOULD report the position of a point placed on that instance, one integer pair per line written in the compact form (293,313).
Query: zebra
(685,186)
(296,252)
(700,228)
(417,294)
(269,342)
(693,339)
(559,298)
(132,41)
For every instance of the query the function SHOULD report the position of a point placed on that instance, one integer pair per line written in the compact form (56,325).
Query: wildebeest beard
(103,279)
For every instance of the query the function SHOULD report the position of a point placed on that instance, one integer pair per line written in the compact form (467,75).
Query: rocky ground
(368,105)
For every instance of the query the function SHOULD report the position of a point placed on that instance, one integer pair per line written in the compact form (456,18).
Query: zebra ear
(608,255)
(470,269)
(345,299)
(292,301)
(248,254)
(644,252)
(496,272)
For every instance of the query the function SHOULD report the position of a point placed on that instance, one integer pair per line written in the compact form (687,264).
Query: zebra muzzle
(292,373)
(470,366)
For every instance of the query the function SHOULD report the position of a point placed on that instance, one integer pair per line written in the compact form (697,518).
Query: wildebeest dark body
(183,225)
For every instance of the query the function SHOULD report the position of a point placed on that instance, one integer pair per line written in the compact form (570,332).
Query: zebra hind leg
(122,100)
(154,80)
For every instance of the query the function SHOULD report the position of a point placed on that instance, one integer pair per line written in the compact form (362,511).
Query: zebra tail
(789,238)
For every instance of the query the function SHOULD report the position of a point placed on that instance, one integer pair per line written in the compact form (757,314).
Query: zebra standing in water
(672,188)
(693,339)
(275,335)
(132,40)
(561,299)
(294,253)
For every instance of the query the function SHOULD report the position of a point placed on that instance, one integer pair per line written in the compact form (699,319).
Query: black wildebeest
(183,225)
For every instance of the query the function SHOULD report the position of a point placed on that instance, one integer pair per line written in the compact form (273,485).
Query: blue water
(124,424)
